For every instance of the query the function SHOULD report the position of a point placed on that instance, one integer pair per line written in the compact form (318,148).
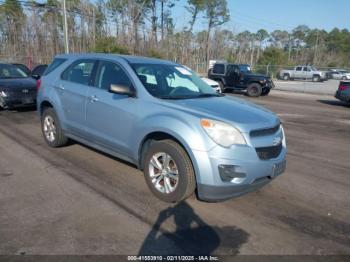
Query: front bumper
(270,84)
(9,102)
(255,172)
(220,193)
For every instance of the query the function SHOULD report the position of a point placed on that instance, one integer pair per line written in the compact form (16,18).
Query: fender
(188,134)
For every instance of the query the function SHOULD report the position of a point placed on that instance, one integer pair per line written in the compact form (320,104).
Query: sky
(275,14)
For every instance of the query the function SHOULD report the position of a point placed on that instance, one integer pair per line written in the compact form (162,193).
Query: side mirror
(122,90)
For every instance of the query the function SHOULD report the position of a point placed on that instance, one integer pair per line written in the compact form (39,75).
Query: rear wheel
(286,77)
(343,78)
(168,171)
(51,129)
(316,78)
(254,90)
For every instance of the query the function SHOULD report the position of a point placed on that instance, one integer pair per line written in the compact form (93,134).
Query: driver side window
(111,74)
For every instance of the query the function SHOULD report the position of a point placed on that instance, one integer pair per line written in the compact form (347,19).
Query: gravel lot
(75,200)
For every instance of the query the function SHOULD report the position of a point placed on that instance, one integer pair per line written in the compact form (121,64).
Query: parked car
(240,77)
(17,89)
(38,71)
(24,68)
(215,85)
(163,118)
(343,92)
(303,72)
(339,74)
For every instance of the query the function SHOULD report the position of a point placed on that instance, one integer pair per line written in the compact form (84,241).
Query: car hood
(13,84)
(243,115)
(253,75)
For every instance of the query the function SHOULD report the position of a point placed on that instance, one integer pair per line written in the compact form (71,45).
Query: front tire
(51,129)
(222,87)
(168,171)
(254,90)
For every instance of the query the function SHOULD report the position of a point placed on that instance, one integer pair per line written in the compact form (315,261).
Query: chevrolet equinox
(163,118)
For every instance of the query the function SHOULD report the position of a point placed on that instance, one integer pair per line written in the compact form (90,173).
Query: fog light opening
(230,173)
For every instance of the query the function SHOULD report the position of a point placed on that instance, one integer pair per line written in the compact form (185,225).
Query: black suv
(240,77)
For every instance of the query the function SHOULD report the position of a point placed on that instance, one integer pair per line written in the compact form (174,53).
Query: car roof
(129,58)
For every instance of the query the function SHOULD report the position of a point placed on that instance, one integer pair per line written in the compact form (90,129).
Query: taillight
(342,87)
(38,84)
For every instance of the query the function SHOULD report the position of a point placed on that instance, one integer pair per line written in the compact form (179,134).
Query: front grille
(265,131)
(270,152)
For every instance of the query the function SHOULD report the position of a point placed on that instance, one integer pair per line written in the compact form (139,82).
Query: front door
(299,72)
(231,76)
(110,117)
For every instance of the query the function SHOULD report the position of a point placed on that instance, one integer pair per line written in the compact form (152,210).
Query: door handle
(93,99)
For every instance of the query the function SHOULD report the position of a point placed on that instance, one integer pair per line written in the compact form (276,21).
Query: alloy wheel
(163,172)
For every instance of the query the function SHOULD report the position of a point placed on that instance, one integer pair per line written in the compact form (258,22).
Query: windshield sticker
(183,71)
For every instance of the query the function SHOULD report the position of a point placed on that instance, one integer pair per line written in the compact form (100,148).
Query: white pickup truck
(303,72)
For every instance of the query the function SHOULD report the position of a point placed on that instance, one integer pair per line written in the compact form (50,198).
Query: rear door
(73,88)
(110,117)
(298,73)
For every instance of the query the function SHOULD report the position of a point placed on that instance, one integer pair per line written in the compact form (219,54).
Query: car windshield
(11,71)
(172,82)
(245,68)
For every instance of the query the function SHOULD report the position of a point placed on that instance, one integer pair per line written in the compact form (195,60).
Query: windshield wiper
(190,97)
(174,97)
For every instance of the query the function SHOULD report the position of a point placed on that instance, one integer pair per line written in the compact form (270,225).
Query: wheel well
(156,136)
(254,82)
(316,75)
(43,105)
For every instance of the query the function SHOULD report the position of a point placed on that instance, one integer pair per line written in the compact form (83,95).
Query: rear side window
(79,72)
(55,63)
(219,69)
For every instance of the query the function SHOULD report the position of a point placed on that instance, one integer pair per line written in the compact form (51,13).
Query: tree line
(147,27)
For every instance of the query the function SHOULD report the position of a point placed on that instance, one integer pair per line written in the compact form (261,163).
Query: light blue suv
(163,118)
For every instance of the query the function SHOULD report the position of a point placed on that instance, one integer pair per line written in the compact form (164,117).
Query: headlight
(223,134)
(3,94)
